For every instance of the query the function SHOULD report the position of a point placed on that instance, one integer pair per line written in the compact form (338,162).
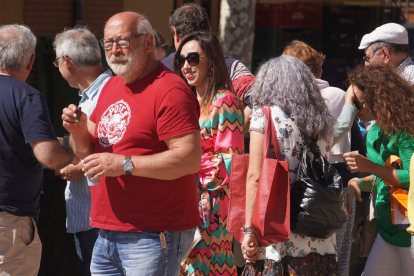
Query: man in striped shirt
(389,44)
(78,57)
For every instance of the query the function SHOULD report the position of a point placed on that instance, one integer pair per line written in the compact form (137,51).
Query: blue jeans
(140,253)
(84,242)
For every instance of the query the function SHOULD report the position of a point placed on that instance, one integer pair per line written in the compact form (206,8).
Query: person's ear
(176,38)
(30,65)
(66,61)
(149,43)
(386,54)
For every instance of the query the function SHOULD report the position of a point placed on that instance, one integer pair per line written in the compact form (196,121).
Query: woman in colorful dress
(200,61)
(382,95)
(298,110)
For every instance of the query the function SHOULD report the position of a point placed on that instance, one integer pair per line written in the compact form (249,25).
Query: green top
(402,146)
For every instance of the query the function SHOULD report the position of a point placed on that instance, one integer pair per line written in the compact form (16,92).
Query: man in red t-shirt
(143,144)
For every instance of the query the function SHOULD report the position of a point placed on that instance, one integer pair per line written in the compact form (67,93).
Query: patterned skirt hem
(311,264)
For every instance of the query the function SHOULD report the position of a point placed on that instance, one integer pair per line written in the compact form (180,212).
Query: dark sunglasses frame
(358,105)
(179,60)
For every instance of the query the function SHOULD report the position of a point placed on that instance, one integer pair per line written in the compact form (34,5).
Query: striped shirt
(77,193)
(407,70)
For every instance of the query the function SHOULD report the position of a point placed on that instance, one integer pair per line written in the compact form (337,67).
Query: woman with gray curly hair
(298,110)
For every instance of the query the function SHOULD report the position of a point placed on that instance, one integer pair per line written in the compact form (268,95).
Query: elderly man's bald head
(129,18)
(135,22)
(130,45)
(17,45)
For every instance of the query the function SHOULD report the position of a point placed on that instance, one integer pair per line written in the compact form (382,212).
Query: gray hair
(144,26)
(17,45)
(288,83)
(79,45)
(392,47)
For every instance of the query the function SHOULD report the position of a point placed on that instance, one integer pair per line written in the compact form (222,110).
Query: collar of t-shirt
(148,79)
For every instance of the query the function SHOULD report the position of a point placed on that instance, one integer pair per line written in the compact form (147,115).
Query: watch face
(127,165)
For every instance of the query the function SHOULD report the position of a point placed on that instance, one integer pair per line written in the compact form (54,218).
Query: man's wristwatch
(127,165)
(247,230)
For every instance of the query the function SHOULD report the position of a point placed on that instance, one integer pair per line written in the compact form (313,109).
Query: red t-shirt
(134,119)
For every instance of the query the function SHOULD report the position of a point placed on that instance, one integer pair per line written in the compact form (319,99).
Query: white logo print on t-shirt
(113,123)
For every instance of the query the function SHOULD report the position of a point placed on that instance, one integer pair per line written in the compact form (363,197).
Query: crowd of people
(148,158)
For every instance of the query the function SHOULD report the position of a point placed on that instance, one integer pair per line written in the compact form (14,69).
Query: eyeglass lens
(122,43)
(367,58)
(358,105)
(192,58)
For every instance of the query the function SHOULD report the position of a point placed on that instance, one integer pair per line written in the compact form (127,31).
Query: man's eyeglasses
(122,42)
(192,58)
(56,62)
(367,58)
(358,105)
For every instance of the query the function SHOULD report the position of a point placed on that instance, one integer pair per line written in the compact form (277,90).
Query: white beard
(133,62)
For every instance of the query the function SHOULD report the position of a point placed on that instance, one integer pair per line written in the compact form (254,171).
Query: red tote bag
(271,215)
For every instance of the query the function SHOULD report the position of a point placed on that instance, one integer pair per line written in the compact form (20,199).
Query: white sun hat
(391,33)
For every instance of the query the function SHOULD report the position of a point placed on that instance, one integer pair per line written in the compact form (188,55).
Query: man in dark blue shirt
(27,141)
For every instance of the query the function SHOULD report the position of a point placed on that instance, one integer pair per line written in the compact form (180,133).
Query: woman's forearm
(388,175)
(251,190)
(253,174)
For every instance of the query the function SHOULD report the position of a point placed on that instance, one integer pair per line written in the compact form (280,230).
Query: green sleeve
(405,150)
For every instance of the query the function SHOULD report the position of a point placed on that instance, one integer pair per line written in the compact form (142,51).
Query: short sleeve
(178,113)
(92,118)
(243,80)
(258,122)
(34,119)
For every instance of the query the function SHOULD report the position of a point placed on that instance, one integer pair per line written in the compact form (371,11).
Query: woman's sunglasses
(358,105)
(192,58)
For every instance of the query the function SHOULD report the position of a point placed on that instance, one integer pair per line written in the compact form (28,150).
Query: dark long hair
(219,77)
(390,97)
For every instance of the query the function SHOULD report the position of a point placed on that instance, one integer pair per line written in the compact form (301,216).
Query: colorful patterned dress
(221,136)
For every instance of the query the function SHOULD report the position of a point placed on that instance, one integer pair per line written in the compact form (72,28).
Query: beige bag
(364,232)
(366,229)
(197,238)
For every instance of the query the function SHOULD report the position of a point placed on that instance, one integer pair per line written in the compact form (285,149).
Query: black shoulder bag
(316,204)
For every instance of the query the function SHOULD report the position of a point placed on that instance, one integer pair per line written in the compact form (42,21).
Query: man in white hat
(389,44)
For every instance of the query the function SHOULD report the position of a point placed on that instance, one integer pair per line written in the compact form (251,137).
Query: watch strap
(127,172)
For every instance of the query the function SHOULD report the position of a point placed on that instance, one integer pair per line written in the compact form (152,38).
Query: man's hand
(103,164)
(70,172)
(353,190)
(74,121)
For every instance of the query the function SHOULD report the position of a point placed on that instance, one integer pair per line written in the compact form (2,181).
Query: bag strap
(270,131)
(371,194)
